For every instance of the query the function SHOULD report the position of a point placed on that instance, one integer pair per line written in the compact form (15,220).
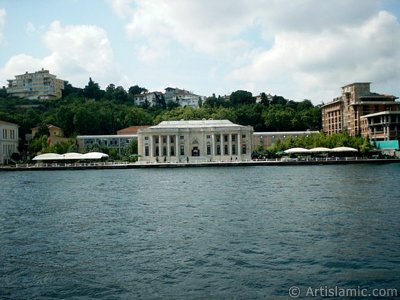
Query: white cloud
(122,8)
(299,49)
(2,23)
(311,63)
(77,52)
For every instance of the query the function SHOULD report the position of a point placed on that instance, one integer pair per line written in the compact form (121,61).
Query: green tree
(137,90)
(241,97)
(92,90)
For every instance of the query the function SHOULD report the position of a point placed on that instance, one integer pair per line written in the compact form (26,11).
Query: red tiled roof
(131,129)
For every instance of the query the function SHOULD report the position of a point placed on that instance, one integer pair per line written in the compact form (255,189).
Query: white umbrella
(344,149)
(93,155)
(72,155)
(297,150)
(320,149)
(48,156)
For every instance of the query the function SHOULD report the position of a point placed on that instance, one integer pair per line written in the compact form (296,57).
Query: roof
(195,124)
(131,129)
(320,149)
(381,113)
(112,136)
(7,123)
(284,132)
(296,150)
(70,156)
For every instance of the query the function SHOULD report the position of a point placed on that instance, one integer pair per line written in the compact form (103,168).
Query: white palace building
(195,141)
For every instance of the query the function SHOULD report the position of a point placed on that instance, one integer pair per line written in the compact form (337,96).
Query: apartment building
(39,85)
(182,97)
(357,111)
(150,99)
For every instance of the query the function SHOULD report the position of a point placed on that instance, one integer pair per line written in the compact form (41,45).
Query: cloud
(2,23)
(311,63)
(76,53)
(122,8)
(300,49)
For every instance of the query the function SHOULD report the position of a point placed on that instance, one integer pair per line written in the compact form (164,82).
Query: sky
(298,49)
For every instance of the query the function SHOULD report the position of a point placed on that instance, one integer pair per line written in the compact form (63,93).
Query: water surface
(198,233)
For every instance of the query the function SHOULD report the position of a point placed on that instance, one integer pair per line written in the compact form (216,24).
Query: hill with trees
(92,110)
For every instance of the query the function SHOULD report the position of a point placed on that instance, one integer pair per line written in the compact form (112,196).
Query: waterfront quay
(197,163)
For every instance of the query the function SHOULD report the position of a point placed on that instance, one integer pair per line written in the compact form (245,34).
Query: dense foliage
(94,111)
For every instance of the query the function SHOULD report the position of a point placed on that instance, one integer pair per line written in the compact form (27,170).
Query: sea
(259,232)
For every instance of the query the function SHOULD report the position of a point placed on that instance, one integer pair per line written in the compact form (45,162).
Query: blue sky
(300,49)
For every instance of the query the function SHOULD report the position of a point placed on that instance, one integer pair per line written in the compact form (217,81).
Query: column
(230,144)
(177,154)
(221,142)
(239,145)
(168,146)
(151,153)
(159,145)
(213,145)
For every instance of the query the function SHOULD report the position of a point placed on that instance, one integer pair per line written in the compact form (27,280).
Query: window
(157,151)
(172,151)
(233,149)
(218,138)
(225,138)
(208,149)
(243,148)
(146,150)
(146,138)
(182,150)
(233,137)
(164,151)
(218,150)
(164,139)
(182,137)
(226,149)
(208,136)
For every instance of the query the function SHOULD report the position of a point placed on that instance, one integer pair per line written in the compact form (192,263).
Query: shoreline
(113,166)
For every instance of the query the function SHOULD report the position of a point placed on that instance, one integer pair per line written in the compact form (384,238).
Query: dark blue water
(201,233)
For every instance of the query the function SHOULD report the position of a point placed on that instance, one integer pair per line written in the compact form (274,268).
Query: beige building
(38,85)
(195,141)
(8,140)
(345,113)
(266,139)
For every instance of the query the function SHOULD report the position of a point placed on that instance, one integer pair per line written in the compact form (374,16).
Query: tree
(241,97)
(92,90)
(278,118)
(120,95)
(264,99)
(136,90)
(109,94)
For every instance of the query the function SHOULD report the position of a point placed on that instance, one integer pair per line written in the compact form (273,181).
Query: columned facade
(8,141)
(195,141)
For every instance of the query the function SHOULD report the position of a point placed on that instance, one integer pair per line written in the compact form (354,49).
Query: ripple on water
(198,233)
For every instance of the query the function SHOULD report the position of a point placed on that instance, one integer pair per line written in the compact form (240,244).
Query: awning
(320,149)
(48,156)
(70,156)
(94,155)
(344,149)
(297,150)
